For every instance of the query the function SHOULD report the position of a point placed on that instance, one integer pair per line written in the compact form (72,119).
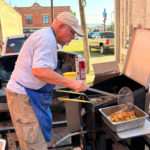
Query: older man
(29,91)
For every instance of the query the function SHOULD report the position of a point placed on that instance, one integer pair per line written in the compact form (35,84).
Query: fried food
(122,115)
(96,100)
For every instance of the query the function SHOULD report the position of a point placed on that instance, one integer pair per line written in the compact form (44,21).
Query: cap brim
(78,31)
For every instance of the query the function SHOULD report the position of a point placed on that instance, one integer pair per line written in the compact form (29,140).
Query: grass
(95,57)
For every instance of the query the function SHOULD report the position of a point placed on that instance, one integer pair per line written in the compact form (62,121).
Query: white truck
(69,62)
(102,41)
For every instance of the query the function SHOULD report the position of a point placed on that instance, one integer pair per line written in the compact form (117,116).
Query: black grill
(91,121)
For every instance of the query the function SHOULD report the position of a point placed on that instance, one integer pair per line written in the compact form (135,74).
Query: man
(29,91)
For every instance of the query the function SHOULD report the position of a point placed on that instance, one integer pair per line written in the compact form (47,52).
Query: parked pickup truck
(69,62)
(102,41)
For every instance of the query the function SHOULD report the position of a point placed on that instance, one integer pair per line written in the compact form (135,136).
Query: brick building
(36,16)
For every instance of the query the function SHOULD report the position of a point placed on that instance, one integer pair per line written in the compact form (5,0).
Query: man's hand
(78,85)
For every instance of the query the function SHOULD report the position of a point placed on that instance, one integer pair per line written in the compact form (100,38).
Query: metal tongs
(73,100)
(84,96)
(124,96)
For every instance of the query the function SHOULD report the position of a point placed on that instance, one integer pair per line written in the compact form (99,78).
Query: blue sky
(93,9)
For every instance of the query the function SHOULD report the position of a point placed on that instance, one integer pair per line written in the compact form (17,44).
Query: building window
(28,20)
(45,19)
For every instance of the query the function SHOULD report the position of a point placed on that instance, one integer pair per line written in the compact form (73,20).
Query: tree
(72,12)
(111,27)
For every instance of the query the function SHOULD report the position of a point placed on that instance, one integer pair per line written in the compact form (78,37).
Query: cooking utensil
(101,92)
(70,92)
(83,95)
(90,89)
(126,97)
(92,101)
(122,96)
(73,100)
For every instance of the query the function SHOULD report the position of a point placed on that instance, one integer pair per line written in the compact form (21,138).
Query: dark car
(90,35)
(102,41)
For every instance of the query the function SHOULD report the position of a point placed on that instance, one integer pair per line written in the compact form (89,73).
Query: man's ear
(61,26)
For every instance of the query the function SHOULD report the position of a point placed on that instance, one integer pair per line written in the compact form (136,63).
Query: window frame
(45,19)
(28,20)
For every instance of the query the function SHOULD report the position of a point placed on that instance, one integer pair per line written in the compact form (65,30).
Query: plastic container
(70,75)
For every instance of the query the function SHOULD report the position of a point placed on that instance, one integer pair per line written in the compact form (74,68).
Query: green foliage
(111,27)
(72,12)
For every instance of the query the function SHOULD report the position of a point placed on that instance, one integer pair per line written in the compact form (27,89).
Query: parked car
(13,44)
(90,35)
(1,46)
(102,41)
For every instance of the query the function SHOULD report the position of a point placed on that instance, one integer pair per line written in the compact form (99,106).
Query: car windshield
(14,45)
(95,34)
(103,34)
(107,35)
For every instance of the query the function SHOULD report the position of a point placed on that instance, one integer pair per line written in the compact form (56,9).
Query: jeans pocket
(27,128)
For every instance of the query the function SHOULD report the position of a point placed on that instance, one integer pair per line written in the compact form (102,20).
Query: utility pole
(52,10)
(82,4)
